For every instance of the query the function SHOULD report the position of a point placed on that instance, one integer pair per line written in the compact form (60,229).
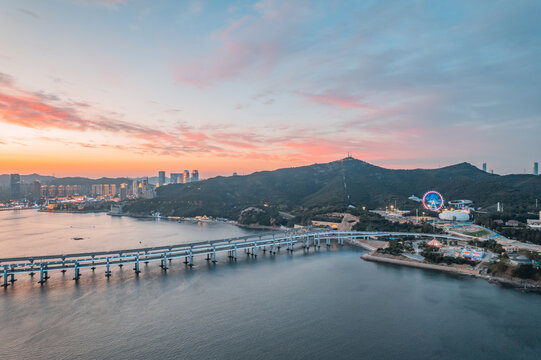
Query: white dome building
(454,215)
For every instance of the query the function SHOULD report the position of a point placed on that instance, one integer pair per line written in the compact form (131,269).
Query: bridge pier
(164,267)
(254,252)
(93,267)
(191,258)
(235,256)
(12,276)
(77,275)
(5,284)
(107,271)
(42,277)
(136,268)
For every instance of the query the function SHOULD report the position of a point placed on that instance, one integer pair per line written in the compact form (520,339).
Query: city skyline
(124,88)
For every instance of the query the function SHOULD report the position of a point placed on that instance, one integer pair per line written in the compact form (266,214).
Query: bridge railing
(251,243)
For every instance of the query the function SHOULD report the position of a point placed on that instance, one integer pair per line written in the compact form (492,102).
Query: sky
(130,87)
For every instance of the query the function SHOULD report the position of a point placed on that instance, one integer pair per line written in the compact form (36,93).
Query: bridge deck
(250,243)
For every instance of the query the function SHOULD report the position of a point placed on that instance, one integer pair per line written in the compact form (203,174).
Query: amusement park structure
(433,201)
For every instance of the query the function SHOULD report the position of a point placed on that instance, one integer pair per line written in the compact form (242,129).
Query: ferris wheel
(433,201)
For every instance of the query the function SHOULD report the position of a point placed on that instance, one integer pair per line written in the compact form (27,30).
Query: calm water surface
(309,305)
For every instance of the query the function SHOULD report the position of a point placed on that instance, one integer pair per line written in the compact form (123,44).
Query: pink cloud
(34,110)
(348,102)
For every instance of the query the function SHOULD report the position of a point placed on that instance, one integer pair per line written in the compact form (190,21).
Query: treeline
(397,247)
(265,216)
(369,221)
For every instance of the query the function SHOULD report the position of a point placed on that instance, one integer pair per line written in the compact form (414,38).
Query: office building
(195,175)
(51,191)
(36,190)
(161,178)
(535,168)
(15,187)
(176,178)
(123,191)
(485,167)
(186,176)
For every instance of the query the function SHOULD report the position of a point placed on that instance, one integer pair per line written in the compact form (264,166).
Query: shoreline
(523,285)
(72,211)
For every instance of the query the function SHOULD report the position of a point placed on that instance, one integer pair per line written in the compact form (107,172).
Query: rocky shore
(520,284)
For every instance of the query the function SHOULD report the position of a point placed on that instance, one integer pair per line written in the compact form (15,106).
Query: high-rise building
(135,187)
(195,175)
(186,176)
(51,191)
(161,178)
(485,167)
(176,178)
(15,187)
(36,190)
(123,191)
(535,168)
(97,189)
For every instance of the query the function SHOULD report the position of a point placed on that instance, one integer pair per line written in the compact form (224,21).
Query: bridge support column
(136,268)
(235,256)
(5,284)
(107,271)
(77,275)
(191,258)
(12,280)
(42,279)
(165,262)
(63,264)
(93,267)
(208,257)
(254,253)
(120,259)
(214,254)
(186,260)
(31,273)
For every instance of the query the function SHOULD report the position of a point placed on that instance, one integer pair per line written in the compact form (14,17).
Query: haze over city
(126,87)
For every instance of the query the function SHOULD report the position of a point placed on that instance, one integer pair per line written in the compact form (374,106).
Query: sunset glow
(127,88)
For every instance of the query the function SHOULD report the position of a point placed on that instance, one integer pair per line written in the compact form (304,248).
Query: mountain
(51,180)
(5,179)
(339,183)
